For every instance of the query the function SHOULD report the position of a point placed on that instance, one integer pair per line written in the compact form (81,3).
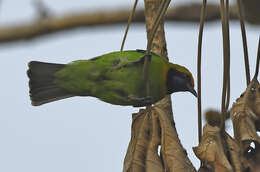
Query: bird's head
(180,79)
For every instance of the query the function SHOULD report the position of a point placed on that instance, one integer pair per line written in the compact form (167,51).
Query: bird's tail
(42,88)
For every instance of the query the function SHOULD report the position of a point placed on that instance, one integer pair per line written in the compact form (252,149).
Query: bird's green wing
(79,76)
(124,58)
(111,77)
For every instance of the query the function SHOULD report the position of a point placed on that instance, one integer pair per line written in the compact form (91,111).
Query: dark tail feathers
(42,88)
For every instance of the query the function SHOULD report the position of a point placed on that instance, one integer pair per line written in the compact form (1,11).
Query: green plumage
(113,78)
(116,78)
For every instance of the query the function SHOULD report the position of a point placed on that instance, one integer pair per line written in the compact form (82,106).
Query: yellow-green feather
(111,78)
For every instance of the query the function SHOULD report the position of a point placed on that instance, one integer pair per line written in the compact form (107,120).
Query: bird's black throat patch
(176,81)
(169,84)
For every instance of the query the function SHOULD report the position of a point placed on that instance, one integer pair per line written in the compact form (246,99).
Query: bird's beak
(191,89)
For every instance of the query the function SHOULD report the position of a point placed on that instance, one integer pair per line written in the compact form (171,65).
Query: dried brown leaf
(210,150)
(235,153)
(252,160)
(136,152)
(256,105)
(174,156)
(244,129)
(153,160)
(245,114)
(206,169)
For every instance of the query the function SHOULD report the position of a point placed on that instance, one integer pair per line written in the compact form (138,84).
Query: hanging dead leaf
(244,129)
(251,159)
(252,98)
(256,107)
(174,155)
(235,153)
(205,168)
(244,115)
(210,149)
(136,152)
(153,160)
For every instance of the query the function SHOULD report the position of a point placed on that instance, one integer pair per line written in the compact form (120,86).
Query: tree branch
(53,24)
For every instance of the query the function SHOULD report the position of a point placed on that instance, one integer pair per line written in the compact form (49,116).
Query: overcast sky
(85,134)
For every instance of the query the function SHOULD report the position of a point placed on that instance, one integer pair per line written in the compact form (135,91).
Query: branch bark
(52,24)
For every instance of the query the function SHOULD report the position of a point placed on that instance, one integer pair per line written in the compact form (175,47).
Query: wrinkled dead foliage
(211,150)
(245,116)
(218,151)
(152,128)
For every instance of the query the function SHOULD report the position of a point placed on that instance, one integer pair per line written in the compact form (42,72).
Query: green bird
(115,78)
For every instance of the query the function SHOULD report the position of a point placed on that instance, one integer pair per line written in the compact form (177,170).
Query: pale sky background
(85,134)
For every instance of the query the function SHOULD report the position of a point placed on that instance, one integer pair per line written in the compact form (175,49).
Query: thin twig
(243,31)
(226,55)
(222,12)
(227,98)
(202,19)
(228,60)
(131,16)
(257,60)
(226,68)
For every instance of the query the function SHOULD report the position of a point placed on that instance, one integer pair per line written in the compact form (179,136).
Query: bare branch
(53,24)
